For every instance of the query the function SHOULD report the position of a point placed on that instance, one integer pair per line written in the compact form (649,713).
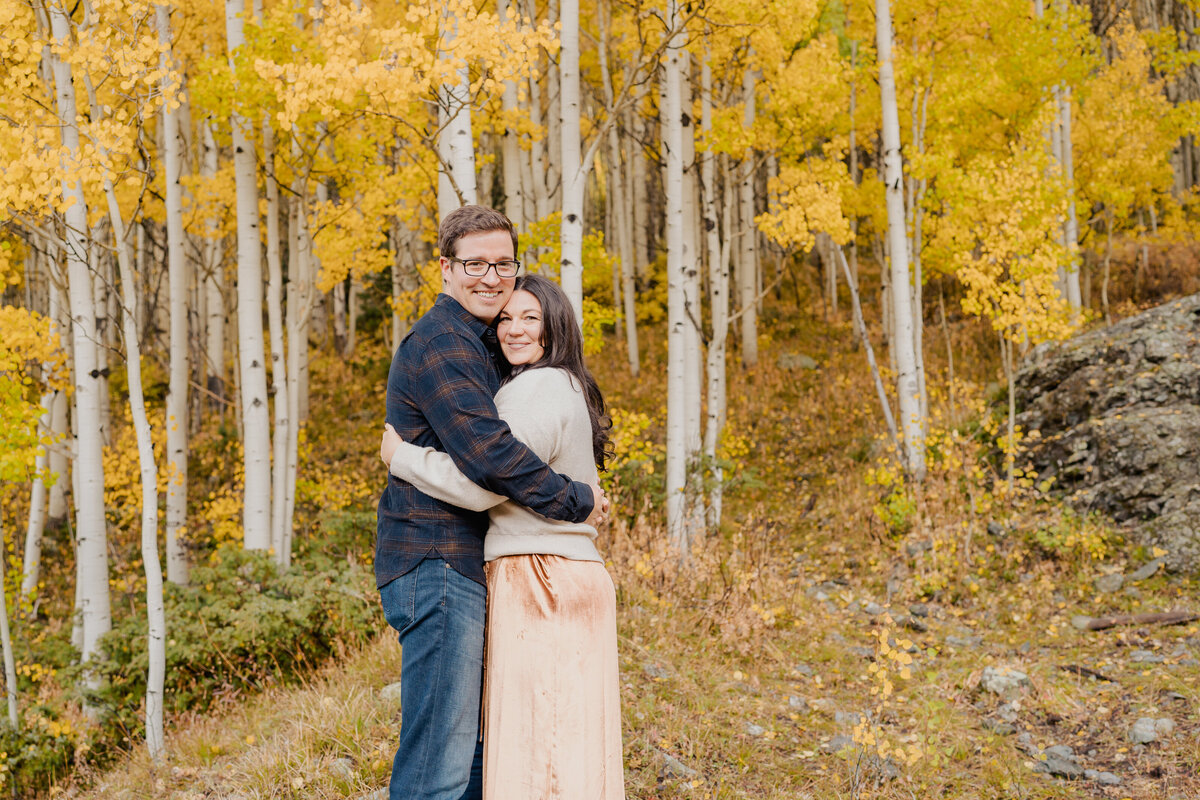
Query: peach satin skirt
(552,712)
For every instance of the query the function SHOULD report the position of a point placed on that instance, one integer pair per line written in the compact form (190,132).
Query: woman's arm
(433,472)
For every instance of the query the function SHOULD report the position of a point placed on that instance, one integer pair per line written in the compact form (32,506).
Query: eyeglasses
(477,268)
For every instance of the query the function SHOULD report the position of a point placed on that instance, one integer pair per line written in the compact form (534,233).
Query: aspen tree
(256,430)
(679,530)
(573,172)
(92,590)
(10,666)
(178,280)
(514,189)
(748,235)
(907,390)
(280,473)
(214,298)
(456,148)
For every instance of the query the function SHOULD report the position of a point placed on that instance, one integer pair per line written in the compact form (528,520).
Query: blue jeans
(439,615)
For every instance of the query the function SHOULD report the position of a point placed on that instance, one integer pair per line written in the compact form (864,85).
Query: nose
(515,328)
(490,278)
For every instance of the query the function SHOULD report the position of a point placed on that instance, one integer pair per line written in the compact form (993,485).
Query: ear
(447,267)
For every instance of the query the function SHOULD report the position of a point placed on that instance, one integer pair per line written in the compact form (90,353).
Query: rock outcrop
(1117,416)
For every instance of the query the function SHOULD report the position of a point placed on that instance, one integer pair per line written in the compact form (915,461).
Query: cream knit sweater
(546,409)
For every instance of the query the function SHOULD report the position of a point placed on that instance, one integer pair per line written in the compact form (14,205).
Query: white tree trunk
(10,663)
(31,568)
(95,614)
(514,197)
(640,189)
(573,175)
(678,263)
(718,297)
(748,256)
(693,302)
(279,378)
(907,390)
(252,368)
(179,280)
(1071,234)
(456,175)
(214,298)
(555,170)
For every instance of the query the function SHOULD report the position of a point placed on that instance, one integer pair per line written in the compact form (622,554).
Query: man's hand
(599,513)
(391,440)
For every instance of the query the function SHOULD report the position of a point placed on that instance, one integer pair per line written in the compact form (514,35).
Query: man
(429,554)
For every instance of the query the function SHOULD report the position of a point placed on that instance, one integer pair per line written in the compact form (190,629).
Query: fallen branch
(1164,618)
(1086,673)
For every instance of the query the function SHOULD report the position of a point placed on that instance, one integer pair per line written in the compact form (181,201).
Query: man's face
(484,296)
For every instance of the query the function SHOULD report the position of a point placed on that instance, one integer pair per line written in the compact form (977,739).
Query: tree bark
(573,174)
(907,389)
(179,281)
(679,531)
(95,613)
(748,257)
(256,422)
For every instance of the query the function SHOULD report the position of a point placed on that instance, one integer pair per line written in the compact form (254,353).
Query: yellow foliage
(32,363)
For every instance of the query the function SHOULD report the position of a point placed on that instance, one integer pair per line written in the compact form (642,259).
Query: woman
(552,722)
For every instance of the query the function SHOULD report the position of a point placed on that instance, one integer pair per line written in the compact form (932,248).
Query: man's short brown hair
(472,219)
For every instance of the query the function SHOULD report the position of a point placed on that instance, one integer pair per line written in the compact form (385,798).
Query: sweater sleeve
(536,405)
(433,472)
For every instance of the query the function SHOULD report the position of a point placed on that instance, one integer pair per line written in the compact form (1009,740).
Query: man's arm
(452,391)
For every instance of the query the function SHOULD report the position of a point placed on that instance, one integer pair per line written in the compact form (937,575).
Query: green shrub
(239,625)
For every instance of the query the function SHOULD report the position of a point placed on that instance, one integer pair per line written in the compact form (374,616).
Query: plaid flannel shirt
(440,392)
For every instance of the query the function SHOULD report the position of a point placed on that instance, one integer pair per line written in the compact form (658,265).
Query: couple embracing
(495,429)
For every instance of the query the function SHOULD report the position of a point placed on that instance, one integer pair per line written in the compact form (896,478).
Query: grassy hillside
(832,640)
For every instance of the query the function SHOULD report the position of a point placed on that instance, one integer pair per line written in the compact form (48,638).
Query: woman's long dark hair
(563,348)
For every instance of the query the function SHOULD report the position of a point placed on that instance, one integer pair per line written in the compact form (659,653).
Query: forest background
(218,222)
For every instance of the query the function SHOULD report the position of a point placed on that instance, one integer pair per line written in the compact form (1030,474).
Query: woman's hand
(391,440)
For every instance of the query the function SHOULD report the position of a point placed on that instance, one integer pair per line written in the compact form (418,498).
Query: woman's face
(520,329)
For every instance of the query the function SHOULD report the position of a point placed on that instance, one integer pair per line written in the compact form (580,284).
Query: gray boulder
(1117,411)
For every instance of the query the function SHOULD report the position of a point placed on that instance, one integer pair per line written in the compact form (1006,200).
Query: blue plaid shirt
(440,392)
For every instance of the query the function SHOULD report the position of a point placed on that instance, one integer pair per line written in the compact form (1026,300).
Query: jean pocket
(397,598)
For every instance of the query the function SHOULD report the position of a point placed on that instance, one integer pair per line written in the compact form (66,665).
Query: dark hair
(563,348)
(466,220)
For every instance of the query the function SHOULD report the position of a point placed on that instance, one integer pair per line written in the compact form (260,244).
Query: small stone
(1002,680)
(797,703)
(755,730)
(963,641)
(1008,711)
(1145,657)
(839,743)
(391,693)
(1132,591)
(914,624)
(1108,779)
(796,361)
(1164,727)
(996,529)
(1147,570)
(1060,750)
(672,767)
(847,718)
(654,671)
(919,610)
(1060,767)
(999,727)
(1091,774)
(1081,621)
(872,608)
(1107,584)
(342,767)
(915,549)
(820,596)
(1025,742)
(861,652)
(1147,730)
(803,669)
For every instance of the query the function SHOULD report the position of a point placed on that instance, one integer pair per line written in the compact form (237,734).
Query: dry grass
(770,609)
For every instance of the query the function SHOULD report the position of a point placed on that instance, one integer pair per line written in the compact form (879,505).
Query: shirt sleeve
(433,472)
(452,390)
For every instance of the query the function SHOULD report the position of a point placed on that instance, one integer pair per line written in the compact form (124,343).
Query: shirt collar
(477,326)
